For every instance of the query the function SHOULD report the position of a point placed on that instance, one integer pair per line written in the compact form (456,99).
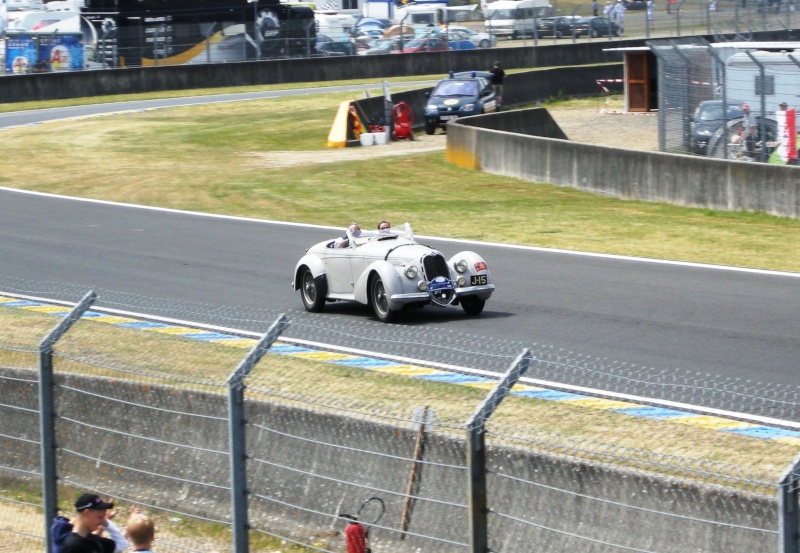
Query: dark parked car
(597,27)
(635,4)
(468,93)
(328,47)
(558,27)
(708,117)
(737,146)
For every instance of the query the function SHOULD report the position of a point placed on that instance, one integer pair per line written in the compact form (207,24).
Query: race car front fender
(315,265)
(392,282)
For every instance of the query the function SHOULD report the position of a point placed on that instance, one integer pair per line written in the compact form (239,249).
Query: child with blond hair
(141,532)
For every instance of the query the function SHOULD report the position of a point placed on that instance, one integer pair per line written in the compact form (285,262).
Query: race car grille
(434,265)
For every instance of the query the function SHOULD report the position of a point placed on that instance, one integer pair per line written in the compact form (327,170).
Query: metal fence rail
(302,440)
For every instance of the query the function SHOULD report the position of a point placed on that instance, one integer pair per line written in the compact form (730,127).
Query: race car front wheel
(313,291)
(430,128)
(379,301)
(472,305)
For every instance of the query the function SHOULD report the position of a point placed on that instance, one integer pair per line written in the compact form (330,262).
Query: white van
(422,14)
(514,18)
(781,80)
(337,26)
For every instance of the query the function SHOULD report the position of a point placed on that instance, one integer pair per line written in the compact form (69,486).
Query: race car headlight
(422,285)
(461,281)
(432,108)
(460,265)
(468,107)
(411,271)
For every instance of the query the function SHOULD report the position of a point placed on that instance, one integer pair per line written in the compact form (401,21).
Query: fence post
(47,423)
(788,509)
(476,453)
(236,434)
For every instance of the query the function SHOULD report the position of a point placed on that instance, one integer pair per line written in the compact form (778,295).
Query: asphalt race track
(711,320)
(737,324)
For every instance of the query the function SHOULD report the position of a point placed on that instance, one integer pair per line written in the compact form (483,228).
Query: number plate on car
(478,280)
(448,117)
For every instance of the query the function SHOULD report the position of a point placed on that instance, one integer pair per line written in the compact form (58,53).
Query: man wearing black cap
(91,514)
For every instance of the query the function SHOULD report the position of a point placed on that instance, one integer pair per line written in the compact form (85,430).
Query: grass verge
(216,158)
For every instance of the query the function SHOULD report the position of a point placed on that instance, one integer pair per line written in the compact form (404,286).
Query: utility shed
(641,66)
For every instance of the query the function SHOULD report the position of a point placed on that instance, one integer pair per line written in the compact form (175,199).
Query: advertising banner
(40,53)
(787,137)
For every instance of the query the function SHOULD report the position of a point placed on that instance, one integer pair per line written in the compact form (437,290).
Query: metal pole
(762,126)
(476,453)
(685,113)
(256,30)
(236,434)
(678,17)
(47,417)
(788,509)
(721,79)
(574,14)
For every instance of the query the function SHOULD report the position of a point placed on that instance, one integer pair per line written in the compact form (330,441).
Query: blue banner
(35,53)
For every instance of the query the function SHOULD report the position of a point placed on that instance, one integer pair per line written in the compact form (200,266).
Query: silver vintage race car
(390,271)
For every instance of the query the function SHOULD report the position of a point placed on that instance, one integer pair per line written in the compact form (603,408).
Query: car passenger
(383,227)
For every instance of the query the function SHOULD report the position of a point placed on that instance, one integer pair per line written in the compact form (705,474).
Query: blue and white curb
(631,408)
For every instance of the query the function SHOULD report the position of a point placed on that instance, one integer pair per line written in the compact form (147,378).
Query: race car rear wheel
(472,305)
(313,291)
(379,301)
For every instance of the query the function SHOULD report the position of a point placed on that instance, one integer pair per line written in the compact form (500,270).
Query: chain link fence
(228,449)
(223,41)
(703,91)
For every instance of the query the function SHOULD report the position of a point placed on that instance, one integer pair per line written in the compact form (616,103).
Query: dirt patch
(606,127)
(420,144)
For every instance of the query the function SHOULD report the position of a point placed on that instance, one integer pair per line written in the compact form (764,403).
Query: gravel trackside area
(589,124)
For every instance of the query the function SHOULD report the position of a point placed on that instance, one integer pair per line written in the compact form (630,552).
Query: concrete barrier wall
(638,510)
(493,143)
(52,86)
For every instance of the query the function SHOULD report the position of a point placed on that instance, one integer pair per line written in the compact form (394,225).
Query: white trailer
(514,18)
(422,14)
(780,81)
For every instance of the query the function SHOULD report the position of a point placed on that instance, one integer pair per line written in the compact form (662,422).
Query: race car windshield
(400,231)
(456,88)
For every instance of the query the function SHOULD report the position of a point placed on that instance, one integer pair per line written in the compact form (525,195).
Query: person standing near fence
(619,12)
(750,129)
(141,532)
(62,527)
(498,75)
(595,8)
(91,516)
